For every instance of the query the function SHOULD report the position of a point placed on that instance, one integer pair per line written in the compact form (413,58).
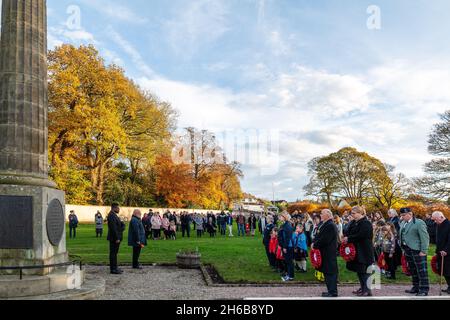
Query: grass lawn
(238,260)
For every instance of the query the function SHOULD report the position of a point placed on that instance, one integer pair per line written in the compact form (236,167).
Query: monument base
(32,228)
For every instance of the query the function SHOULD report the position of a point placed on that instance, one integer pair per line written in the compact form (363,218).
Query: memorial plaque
(16,222)
(55,222)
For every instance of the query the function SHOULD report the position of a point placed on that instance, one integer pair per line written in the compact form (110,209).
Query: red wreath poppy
(405,267)
(316,258)
(348,252)
(434,265)
(382,262)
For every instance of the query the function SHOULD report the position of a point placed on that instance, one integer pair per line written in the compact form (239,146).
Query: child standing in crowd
(389,248)
(273,246)
(165,223)
(300,248)
(173,230)
(378,238)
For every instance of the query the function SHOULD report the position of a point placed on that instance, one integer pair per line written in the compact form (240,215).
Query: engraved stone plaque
(55,222)
(16,222)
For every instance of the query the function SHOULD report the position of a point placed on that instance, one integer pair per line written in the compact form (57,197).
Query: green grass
(238,260)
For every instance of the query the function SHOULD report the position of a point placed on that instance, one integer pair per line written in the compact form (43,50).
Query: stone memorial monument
(31,208)
(32,217)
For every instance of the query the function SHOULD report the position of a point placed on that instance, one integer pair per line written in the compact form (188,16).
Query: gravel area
(171,283)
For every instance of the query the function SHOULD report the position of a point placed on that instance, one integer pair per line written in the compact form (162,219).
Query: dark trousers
(418,266)
(98,233)
(289,260)
(392,267)
(136,254)
(186,230)
(156,233)
(363,278)
(331,282)
(199,233)
(72,232)
(223,229)
(271,258)
(113,251)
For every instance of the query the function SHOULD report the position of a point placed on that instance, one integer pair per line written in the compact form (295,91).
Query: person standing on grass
(360,234)
(230,224)
(223,224)
(252,221)
(73,225)
(415,243)
(115,235)
(198,221)
(443,244)
(266,242)
(285,242)
(136,237)
(98,225)
(156,225)
(326,241)
(165,223)
(186,224)
(300,248)
(146,221)
(241,224)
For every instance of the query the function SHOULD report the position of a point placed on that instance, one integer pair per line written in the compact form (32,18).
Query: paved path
(171,283)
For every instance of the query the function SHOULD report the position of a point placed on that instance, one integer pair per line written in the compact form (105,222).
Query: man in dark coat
(285,242)
(431,228)
(266,241)
(136,237)
(326,241)
(73,224)
(115,236)
(360,234)
(443,244)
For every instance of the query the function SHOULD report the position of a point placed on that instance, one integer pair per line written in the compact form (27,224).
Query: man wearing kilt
(443,245)
(415,243)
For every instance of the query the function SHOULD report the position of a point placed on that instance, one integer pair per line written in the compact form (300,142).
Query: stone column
(32,229)
(23,93)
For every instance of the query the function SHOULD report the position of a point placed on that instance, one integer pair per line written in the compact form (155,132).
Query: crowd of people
(376,241)
(399,239)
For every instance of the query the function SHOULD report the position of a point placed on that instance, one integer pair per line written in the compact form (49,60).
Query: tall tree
(437,181)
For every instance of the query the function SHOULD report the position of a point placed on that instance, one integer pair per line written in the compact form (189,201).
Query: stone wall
(86,214)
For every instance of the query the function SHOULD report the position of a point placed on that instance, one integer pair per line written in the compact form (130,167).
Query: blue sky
(309,71)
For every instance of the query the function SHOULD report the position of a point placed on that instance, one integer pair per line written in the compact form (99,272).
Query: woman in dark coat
(443,244)
(360,234)
(326,241)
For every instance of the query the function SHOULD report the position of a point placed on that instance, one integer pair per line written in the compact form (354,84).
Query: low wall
(86,214)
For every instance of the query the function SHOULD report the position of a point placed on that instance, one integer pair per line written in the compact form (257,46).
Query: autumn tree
(347,174)
(437,181)
(391,188)
(97,116)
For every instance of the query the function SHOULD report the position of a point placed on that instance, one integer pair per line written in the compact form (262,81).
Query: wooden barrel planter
(188,260)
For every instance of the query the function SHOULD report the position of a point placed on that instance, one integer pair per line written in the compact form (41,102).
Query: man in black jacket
(443,244)
(115,235)
(326,241)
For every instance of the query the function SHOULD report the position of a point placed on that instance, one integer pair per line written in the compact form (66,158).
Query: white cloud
(320,112)
(195,24)
(116,11)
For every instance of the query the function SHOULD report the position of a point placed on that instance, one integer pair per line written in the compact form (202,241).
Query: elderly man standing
(443,244)
(115,235)
(326,241)
(136,237)
(415,243)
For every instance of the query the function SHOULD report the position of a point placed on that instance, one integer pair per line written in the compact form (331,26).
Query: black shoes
(138,268)
(412,291)
(422,294)
(329,295)
(116,272)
